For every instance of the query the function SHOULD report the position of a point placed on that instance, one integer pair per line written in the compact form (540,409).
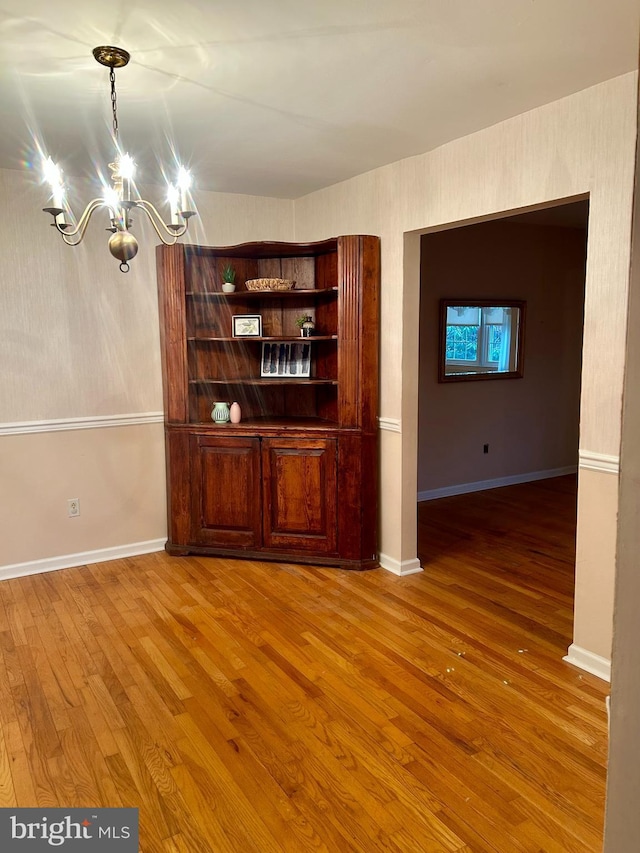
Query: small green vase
(220,413)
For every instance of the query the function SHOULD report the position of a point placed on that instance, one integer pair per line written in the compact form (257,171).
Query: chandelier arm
(157,221)
(81,227)
(69,242)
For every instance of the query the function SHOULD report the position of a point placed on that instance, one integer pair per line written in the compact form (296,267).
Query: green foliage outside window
(462,343)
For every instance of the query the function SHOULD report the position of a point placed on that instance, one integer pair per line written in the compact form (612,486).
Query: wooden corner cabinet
(296,479)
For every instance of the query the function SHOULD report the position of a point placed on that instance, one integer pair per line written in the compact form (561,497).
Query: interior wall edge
(597,515)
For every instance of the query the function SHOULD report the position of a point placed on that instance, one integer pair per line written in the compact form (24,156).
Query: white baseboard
(588,661)
(481,485)
(68,561)
(404,568)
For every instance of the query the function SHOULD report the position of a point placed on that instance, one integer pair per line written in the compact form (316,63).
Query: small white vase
(220,413)
(235,413)
(227,287)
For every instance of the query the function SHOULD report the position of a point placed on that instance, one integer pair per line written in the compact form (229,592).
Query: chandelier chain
(114,103)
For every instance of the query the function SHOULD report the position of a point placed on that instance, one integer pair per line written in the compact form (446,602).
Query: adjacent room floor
(252,706)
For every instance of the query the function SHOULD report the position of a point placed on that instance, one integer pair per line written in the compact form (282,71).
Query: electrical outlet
(73,507)
(485,449)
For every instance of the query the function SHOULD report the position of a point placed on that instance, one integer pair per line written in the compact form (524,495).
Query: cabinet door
(226,491)
(299,493)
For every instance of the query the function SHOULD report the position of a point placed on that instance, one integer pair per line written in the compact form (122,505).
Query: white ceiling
(282,97)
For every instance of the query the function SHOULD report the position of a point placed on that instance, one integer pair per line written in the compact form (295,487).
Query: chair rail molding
(390,424)
(591,461)
(94,422)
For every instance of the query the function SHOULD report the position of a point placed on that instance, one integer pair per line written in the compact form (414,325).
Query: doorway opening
(497,460)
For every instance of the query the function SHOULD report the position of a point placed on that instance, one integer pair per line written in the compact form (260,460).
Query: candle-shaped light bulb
(52,174)
(184,183)
(112,200)
(126,168)
(173,196)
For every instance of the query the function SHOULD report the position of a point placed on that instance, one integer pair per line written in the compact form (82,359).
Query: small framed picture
(292,360)
(247,325)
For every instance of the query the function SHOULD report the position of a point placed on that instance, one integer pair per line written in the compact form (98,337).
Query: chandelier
(117,197)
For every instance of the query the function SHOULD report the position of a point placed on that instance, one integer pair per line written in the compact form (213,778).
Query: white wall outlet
(73,507)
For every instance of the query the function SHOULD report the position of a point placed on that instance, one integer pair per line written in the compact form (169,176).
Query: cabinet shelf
(261,294)
(267,423)
(277,380)
(277,339)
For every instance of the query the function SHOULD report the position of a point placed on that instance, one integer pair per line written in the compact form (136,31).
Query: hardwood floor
(246,706)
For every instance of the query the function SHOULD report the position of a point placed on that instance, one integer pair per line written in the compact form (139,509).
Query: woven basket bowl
(270,284)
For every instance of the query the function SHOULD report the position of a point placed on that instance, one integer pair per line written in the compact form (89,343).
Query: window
(480,339)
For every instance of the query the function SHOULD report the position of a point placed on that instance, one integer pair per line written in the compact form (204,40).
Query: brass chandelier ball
(123,246)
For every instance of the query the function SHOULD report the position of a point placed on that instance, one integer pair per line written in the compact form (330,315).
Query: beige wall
(79,340)
(116,472)
(578,145)
(530,424)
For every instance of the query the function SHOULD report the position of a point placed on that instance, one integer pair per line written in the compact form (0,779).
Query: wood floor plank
(63,781)
(156,811)
(249,706)
(45,792)
(278,812)
(228,763)
(7,790)
(89,756)
(21,769)
(150,840)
